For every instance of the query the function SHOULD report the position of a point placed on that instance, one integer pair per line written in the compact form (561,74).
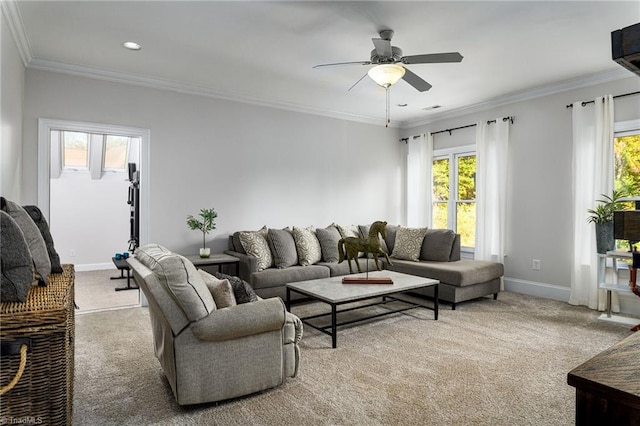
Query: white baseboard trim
(533,288)
(94,266)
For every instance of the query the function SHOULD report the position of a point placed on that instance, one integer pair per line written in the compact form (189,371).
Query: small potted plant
(205,225)
(602,216)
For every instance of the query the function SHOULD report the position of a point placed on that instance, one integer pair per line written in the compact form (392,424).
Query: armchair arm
(241,320)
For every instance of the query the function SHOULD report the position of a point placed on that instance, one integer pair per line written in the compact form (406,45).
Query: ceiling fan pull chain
(388,116)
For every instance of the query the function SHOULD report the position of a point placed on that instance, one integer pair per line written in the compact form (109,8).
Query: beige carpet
(95,290)
(489,362)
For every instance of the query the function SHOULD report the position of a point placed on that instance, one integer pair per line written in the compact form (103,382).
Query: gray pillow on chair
(35,214)
(17,265)
(34,239)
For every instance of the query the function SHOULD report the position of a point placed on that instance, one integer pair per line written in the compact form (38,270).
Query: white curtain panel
(593,168)
(492,153)
(419,181)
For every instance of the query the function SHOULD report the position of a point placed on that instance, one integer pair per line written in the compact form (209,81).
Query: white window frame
(452,154)
(65,168)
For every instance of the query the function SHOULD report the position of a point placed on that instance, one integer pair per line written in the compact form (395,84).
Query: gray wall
(12,89)
(255,165)
(540,188)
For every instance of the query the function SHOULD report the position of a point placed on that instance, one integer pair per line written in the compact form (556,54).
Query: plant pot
(604,237)
(206,252)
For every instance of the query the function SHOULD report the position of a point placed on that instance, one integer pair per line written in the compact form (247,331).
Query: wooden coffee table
(333,292)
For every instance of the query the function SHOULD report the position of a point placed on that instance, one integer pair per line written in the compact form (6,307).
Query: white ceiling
(263,52)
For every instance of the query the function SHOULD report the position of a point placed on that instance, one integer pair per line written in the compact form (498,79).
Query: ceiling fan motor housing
(396,56)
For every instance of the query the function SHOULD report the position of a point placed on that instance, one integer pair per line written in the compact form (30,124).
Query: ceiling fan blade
(343,63)
(417,82)
(354,84)
(383,47)
(433,58)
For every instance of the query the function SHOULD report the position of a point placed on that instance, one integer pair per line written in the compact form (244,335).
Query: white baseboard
(94,266)
(533,288)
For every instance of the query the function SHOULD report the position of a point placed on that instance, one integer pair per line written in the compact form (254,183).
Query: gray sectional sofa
(436,255)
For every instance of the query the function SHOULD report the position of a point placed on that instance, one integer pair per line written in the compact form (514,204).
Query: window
(627,162)
(75,150)
(115,153)
(454,193)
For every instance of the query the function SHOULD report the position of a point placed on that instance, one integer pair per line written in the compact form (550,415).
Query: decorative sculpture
(348,248)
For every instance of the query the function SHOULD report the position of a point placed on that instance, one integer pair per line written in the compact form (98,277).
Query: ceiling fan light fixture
(386,75)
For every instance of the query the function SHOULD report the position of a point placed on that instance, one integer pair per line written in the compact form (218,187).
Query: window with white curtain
(454,193)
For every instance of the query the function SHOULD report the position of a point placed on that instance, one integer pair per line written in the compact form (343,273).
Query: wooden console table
(608,386)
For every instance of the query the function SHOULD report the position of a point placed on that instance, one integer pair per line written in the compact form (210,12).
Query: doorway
(83,191)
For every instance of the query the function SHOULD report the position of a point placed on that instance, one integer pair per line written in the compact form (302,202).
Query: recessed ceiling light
(431,107)
(402,105)
(132,45)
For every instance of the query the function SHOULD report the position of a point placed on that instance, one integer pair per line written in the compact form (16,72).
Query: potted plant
(602,216)
(205,225)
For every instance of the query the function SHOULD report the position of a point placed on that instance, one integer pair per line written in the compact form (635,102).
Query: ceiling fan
(386,57)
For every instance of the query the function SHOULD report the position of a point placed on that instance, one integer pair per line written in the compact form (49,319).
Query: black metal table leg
(287,302)
(435,302)
(334,326)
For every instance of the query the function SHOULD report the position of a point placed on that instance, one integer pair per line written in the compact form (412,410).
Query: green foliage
(205,225)
(627,164)
(603,213)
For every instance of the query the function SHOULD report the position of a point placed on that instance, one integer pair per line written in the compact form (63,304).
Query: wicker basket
(44,393)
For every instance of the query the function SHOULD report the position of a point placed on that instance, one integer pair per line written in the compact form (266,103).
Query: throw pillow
(408,243)
(391,237)
(237,245)
(221,291)
(255,244)
(17,265)
(283,248)
(349,231)
(437,245)
(180,278)
(34,240)
(242,290)
(308,246)
(36,215)
(328,238)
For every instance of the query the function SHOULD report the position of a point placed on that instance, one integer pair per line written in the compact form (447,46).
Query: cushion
(408,243)
(255,244)
(38,218)
(34,240)
(308,246)
(391,237)
(237,245)
(242,290)
(17,265)
(283,248)
(437,245)
(349,231)
(180,278)
(328,238)
(221,290)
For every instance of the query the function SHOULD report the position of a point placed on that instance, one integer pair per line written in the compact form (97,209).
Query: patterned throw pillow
(242,290)
(408,243)
(349,231)
(308,246)
(255,244)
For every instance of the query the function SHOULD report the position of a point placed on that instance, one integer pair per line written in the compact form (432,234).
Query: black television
(626,225)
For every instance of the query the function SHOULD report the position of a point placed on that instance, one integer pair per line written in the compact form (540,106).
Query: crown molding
(538,92)
(11,11)
(189,89)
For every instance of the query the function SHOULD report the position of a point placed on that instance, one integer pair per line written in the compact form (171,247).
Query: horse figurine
(348,248)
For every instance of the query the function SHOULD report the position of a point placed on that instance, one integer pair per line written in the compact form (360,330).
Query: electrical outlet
(535,264)
(72,253)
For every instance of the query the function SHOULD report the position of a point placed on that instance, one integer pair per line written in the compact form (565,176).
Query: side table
(122,265)
(622,288)
(216,259)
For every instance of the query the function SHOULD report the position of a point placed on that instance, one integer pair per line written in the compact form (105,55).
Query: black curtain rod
(615,97)
(510,118)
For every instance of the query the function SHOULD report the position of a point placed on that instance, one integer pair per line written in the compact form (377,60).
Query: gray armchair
(210,353)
